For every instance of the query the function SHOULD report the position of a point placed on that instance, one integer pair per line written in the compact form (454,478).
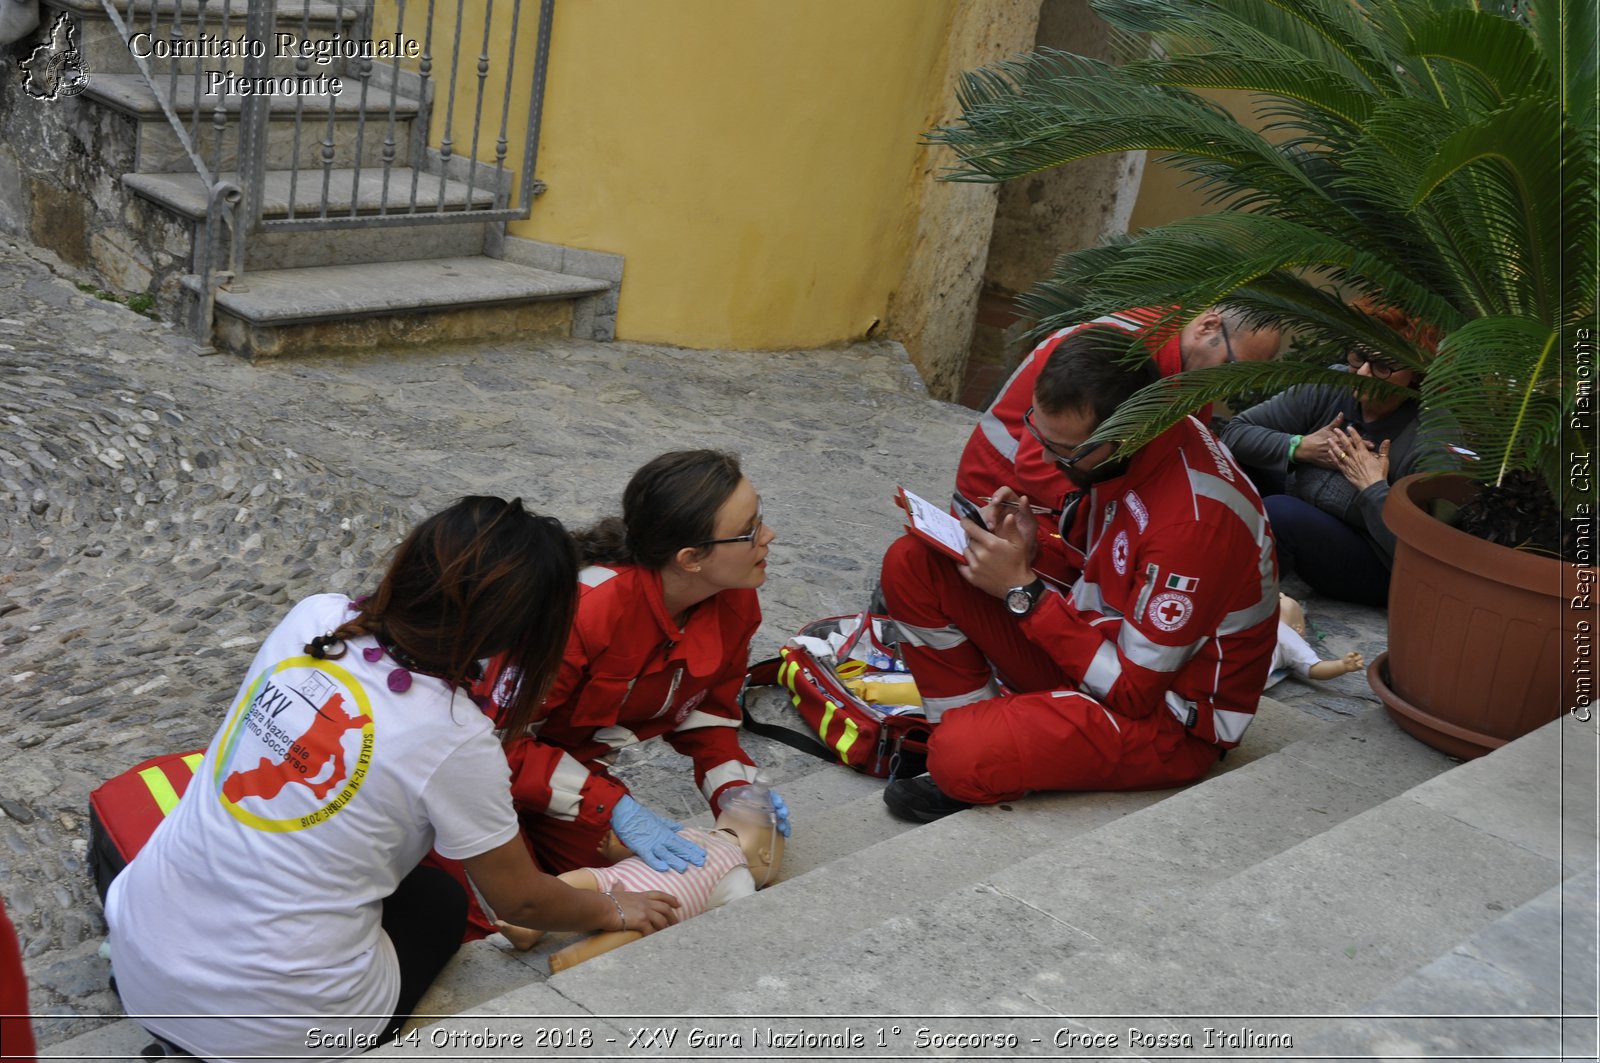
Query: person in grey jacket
(1324,459)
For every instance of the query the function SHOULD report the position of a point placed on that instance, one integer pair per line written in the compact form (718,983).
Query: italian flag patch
(1181,583)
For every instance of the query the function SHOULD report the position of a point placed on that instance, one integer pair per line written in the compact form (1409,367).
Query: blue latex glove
(653,839)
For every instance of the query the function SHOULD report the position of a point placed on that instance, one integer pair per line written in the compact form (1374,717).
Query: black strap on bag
(765,673)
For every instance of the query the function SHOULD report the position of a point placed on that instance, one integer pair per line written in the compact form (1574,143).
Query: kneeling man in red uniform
(1144,671)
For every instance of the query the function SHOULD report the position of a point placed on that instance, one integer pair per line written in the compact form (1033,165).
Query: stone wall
(933,308)
(1045,214)
(61,167)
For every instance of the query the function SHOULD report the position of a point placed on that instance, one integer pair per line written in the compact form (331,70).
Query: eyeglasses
(1227,342)
(748,537)
(1360,357)
(1067,460)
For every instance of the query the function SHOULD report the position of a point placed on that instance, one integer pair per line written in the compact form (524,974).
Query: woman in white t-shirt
(279,910)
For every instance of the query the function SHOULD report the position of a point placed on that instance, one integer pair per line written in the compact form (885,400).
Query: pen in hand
(1043,511)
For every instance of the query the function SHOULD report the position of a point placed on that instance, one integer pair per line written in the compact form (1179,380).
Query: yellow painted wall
(755,161)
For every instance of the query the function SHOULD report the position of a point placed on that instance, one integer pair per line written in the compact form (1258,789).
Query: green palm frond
(1439,156)
(1496,380)
(1512,151)
(1499,53)
(1326,33)
(1154,409)
(1203,260)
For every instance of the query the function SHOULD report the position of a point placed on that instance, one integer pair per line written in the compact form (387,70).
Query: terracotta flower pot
(1480,635)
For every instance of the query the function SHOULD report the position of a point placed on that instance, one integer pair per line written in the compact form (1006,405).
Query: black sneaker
(919,800)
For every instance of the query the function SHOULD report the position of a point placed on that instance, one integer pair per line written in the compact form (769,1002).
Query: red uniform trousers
(1045,735)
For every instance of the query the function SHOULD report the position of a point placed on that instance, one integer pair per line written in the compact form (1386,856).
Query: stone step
(183,194)
(274,250)
(295,133)
(367,191)
(815,931)
(1171,912)
(1528,979)
(837,813)
(853,866)
(277,312)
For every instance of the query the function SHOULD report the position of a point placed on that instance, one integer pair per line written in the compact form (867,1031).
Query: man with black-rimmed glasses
(1141,673)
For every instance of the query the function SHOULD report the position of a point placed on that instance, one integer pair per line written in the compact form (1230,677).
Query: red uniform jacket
(631,674)
(1002,453)
(1177,605)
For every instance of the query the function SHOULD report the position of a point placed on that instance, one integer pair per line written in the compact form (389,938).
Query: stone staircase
(1326,868)
(309,290)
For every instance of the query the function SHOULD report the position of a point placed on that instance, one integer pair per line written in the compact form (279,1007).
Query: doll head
(1290,612)
(748,815)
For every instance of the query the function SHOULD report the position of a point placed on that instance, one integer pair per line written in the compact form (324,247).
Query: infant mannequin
(743,854)
(1293,653)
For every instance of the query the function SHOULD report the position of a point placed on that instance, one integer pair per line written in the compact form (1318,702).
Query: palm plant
(1434,155)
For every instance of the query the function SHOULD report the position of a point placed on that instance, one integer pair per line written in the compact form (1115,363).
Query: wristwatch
(1021,600)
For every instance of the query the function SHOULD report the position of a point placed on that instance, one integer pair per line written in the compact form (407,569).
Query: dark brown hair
(1089,371)
(670,503)
(483,577)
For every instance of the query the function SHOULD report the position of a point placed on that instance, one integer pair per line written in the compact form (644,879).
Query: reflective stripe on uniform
(1088,598)
(723,774)
(1245,619)
(566,788)
(1104,671)
(1229,724)
(1185,710)
(705,719)
(1138,647)
(595,575)
(933,638)
(933,708)
(616,737)
(1219,490)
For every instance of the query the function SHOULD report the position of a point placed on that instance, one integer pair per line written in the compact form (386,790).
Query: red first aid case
(124,811)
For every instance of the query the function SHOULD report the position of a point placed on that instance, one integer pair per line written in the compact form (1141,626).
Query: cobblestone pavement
(162,509)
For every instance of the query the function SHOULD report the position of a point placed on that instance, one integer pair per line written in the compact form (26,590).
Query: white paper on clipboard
(935,524)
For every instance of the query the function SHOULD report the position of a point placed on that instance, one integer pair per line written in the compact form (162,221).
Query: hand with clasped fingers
(1003,558)
(1319,447)
(1357,461)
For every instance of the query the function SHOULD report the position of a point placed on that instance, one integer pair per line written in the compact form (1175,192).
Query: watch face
(1019,601)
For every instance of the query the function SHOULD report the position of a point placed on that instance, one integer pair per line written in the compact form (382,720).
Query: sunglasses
(748,537)
(1067,459)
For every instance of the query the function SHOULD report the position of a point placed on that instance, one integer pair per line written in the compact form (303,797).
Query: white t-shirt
(254,908)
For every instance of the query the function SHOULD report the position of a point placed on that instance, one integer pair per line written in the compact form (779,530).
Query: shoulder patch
(1135,504)
(1170,610)
(1119,553)
(1224,466)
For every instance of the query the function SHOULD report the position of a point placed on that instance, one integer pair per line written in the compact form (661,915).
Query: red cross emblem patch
(1170,610)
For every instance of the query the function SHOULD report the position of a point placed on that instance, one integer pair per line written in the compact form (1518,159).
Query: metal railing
(443,185)
(363,157)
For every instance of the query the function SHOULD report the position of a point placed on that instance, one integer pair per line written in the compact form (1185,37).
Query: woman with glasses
(666,612)
(1324,459)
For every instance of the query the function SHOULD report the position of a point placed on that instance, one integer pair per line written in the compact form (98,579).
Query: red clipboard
(934,526)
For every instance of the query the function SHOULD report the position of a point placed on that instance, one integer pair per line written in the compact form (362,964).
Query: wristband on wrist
(621,915)
(1294,445)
